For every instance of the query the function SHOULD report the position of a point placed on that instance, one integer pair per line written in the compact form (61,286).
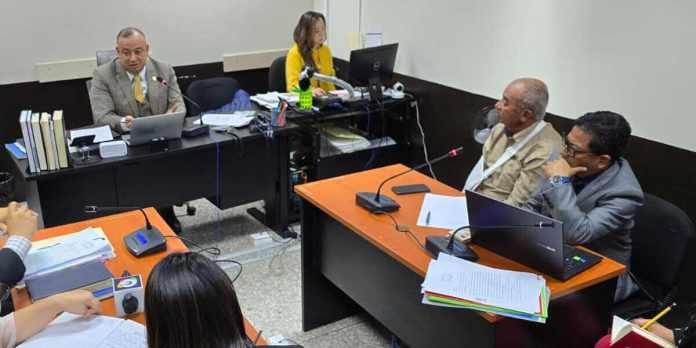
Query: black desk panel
(227,169)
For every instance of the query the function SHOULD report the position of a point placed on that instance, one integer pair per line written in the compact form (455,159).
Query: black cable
(234,262)
(417,241)
(396,224)
(256,340)
(239,142)
(403,228)
(215,251)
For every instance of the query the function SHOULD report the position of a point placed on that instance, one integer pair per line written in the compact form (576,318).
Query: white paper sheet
(236,119)
(101,134)
(467,280)
(445,212)
(70,331)
(373,40)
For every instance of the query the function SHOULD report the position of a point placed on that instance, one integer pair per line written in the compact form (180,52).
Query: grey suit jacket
(112,97)
(600,217)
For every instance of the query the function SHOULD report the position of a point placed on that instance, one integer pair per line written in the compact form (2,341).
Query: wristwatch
(560,180)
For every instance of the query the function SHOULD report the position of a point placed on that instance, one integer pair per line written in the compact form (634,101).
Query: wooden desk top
(116,227)
(336,197)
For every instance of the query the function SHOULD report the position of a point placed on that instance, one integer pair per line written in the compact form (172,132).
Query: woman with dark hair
(309,50)
(190,302)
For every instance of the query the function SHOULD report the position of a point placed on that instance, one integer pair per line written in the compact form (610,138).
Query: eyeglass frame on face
(570,148)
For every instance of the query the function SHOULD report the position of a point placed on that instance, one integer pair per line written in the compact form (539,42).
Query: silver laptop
(149,129)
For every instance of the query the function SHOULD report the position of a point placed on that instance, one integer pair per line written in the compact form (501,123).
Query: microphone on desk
(377,203)
(193,129)
(449,245)
(140,242)
(129,295)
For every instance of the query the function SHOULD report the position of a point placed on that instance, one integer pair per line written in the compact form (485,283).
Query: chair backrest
(104,57)
(660,238)
(211,93)
(276,75)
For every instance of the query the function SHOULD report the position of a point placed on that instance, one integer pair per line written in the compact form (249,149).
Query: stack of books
(457,283)
(44,140)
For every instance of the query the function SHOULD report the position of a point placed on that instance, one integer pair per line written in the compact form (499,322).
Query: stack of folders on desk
(457,283)
(270,100)
(69,262)
(44,140)
(343,140)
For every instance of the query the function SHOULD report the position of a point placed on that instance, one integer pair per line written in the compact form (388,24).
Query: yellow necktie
(138,89)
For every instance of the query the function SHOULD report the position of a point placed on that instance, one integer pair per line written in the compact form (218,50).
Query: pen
(427,218)
(657,317)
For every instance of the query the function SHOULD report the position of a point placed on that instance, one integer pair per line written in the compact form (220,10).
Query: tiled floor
(270,284)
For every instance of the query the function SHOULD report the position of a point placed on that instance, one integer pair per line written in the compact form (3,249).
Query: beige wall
(180,32)
(635,57)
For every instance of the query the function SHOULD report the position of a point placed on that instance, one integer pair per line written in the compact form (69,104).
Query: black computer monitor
(373,66)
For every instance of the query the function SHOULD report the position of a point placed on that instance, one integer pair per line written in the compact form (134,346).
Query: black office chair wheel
(190,210)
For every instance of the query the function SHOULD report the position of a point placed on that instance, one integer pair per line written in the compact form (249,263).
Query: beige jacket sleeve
(102,102)
(530,179)
(8,331)
(174,96)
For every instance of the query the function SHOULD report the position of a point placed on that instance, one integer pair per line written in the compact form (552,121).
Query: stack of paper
(70,330)
(454,282)
(55,254)
(270,100)
(236,119)
(343,140)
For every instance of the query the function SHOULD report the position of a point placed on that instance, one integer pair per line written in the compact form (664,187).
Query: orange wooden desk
(116,227)
(351,257)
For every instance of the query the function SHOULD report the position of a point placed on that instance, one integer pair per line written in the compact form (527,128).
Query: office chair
(276,75)
(103,57)
(661,237)
(211,93)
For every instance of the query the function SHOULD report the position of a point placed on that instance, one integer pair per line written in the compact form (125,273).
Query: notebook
(92,276)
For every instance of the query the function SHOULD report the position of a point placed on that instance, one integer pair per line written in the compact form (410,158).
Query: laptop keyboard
(572,259)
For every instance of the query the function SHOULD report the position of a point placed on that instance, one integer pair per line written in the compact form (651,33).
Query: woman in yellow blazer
(309,50)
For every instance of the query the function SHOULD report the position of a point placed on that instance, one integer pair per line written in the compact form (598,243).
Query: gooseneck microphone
(140,242)
(449,245)
(377,203)
(93,209)
(164,83)
(309,73)
(194,129)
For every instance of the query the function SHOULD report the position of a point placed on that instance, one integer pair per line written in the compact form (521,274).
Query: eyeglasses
(572,149)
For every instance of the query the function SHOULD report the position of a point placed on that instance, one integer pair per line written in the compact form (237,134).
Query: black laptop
(524,236)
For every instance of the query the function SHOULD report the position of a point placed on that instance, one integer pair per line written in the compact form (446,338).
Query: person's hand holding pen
(653,326)
(657,328)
